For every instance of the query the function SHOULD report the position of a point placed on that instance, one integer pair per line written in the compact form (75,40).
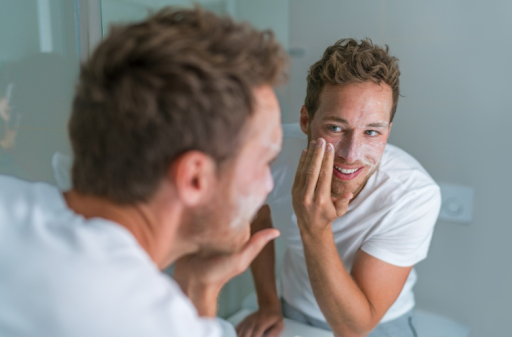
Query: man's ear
(194,175)
(304,119)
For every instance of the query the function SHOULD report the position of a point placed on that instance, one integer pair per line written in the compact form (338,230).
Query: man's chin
(355,186)
(340,187)
(229,244)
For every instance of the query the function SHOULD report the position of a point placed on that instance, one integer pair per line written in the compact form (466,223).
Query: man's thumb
(256,243)
(342,202)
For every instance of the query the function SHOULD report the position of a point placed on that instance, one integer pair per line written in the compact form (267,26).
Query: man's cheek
(373,151)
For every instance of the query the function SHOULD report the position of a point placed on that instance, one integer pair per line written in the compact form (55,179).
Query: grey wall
(455,117)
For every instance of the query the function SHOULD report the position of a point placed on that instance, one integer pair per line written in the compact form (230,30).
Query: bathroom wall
(454,117)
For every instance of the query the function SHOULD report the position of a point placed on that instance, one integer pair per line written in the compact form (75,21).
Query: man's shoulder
(401,176)
(20,199)
(402,167)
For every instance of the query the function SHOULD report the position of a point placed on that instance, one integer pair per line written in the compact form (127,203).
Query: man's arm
(352,304)
(263,266)
(202,277)
(268,318)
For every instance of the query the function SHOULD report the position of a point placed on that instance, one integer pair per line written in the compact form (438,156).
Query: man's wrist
(315,234)
(204,299)
(270,304)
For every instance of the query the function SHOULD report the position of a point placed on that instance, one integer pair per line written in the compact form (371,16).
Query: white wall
(455,117)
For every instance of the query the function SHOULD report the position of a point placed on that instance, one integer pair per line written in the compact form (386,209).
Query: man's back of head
(178,81)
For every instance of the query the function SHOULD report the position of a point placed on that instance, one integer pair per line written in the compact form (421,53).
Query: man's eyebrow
(378,125)
(335,119)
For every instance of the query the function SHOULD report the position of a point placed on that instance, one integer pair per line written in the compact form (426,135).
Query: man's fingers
(342,202)
(312,172)
(299,168)
(255,244)
(325,176)
(245,328)
(307,161)
(275,330)
(261,328)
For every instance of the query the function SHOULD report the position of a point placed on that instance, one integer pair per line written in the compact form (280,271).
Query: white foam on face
(355,148)
(250,201)
(247,207)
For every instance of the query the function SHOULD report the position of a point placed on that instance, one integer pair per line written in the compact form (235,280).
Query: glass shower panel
(39,61)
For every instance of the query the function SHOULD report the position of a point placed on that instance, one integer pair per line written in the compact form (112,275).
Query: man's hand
(268,321)
(202,277)
(311,192)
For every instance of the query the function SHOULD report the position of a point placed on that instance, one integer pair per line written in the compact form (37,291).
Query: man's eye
(334,128)
(372,133)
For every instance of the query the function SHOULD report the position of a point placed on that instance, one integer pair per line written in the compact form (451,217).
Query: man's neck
(156,236)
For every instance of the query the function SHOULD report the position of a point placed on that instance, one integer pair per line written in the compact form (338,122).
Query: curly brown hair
(350,61)
(180,80)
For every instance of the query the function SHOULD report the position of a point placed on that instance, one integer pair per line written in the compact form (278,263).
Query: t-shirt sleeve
(402,236)
(228,330)
(180,318)
(153,306)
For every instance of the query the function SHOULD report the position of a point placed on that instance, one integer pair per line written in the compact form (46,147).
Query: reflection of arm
(263,267)
(354,304)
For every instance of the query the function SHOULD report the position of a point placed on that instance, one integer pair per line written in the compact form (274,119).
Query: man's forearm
(263,273)
(263,267)
(204,299)
(345,307)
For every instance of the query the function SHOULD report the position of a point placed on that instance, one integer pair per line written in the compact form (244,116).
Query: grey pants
(402,326)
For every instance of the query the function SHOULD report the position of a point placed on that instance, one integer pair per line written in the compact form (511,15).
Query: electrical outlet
(457,203)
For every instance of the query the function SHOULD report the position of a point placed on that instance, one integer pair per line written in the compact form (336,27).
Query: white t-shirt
(62,275)
(391,219)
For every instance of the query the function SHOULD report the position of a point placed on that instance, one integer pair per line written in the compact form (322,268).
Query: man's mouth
(346,173)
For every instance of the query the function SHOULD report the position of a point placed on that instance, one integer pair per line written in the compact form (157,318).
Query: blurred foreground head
(173,99)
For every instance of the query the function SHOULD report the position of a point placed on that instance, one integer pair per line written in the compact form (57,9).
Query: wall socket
(457,203)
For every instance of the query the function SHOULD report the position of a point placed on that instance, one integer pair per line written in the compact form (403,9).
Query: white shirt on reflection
(391,219)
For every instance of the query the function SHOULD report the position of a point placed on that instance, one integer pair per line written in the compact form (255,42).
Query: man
(346,269)
(173,127)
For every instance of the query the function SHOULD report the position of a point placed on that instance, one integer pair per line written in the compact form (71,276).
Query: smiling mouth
(347,174)
(346,171)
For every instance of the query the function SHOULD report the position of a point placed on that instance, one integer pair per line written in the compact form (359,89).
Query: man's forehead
(356,103)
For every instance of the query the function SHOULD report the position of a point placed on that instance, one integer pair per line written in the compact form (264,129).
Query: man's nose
(349,148)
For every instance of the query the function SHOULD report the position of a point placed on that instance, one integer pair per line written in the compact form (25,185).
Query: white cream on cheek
(255,190)
(249,202)
(356,147)
(358,151)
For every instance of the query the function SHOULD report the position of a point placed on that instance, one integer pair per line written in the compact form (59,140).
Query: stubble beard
(340,187)
(209,225)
